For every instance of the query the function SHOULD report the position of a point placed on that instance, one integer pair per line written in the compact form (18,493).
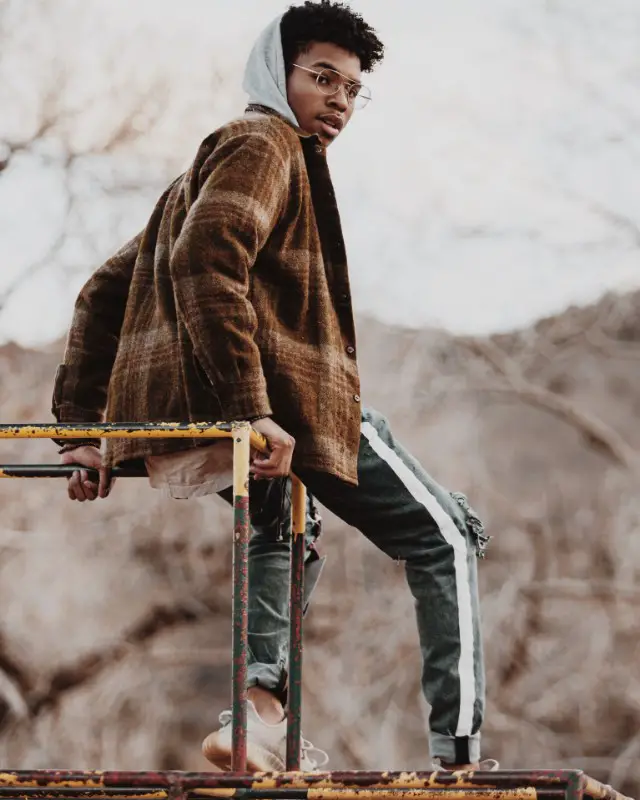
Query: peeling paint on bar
(528,793)
(549,783)
(240,626)
(128,430)
(382,794)
(296,606)
(85,794)
(113,430)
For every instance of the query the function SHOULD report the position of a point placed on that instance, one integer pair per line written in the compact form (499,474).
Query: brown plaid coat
(233,303)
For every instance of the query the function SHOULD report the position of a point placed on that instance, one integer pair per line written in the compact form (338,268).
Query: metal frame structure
(505,785)
(513,785)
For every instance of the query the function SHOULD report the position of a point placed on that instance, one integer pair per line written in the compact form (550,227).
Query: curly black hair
(327,21)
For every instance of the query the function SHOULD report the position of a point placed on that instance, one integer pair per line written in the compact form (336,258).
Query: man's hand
(79,486)
(277,462)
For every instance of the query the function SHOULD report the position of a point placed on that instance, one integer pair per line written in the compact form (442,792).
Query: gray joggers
(406,514)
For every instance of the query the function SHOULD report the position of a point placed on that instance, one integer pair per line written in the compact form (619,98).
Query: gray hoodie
(265,79)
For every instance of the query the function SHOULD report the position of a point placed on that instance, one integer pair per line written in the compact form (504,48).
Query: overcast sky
(493,179)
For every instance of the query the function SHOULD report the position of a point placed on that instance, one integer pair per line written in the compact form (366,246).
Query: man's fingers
(83,485)
(104,486)
(270,465)
(277,454)
(75,488)
(277,462)
(276,469)
(80,488)
(261,461)
(87,487)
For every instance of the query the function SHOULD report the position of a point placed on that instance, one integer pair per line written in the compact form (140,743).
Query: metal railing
(294,785)
(513,785)
(243,437)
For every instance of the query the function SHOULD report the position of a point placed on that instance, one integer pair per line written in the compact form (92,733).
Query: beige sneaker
(266,746)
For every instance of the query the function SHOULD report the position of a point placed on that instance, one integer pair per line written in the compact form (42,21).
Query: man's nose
(340,99)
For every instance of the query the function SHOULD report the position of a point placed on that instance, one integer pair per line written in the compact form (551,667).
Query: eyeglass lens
(331,82)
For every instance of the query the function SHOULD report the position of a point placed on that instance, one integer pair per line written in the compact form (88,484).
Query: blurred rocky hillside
(115,631)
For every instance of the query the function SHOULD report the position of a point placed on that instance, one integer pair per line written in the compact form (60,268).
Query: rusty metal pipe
(240,630)
(191,781)
(526,793)
(373,794)
(93,794)
(296,607)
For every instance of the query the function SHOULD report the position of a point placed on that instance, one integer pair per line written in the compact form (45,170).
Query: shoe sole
(258,759)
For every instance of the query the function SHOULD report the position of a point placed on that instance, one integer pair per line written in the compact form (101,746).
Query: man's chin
(326,132)
(325,138)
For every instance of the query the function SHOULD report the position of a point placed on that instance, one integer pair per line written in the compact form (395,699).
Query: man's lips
(332,124)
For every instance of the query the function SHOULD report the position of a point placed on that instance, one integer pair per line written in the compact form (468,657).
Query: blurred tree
(90,113)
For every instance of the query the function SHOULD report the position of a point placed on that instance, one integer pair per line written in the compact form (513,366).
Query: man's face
(324,114)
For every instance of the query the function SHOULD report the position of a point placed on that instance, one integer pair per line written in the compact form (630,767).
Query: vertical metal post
(575,787)
(241,532)
(294,705)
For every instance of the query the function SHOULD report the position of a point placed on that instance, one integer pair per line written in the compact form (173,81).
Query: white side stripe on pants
(457,541)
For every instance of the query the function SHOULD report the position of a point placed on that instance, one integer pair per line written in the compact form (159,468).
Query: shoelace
(307,748)
(318,759)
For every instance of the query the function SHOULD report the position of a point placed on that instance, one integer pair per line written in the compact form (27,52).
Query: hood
(264,78)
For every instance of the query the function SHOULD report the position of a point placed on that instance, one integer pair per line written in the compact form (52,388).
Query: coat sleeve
(237,208)
(82,380)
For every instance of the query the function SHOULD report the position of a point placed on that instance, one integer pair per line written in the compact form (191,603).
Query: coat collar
(311,138)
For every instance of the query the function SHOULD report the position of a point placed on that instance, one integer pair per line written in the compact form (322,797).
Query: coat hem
(115,456)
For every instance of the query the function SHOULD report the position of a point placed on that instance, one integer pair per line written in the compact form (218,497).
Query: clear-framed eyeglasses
(329,82)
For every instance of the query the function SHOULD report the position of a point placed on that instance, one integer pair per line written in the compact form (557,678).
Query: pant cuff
(455,749)
(271,677)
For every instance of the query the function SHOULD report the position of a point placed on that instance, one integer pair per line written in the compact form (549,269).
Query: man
(234,303)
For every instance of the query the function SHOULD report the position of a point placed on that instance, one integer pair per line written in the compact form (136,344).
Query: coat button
(319,149)
(356,397)
(351,350)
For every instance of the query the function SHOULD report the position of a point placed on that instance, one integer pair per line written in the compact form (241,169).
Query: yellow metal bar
(91,794)
(90,781)
(298,506)
(259,442)
(146,430)
(161,430)
(401,781)
(241,432)
(63,432)
(528,793)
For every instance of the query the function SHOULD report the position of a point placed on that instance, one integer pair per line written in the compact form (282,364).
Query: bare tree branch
(90,666)
(53,136)
(595,432)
